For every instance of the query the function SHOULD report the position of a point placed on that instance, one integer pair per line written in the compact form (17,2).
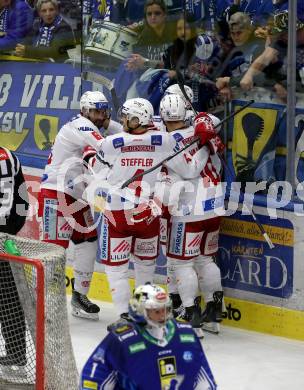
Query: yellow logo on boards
(13,139)
(45,131)
(244,229)
(252,130)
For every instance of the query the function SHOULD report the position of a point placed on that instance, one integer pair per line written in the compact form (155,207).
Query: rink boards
(264,288)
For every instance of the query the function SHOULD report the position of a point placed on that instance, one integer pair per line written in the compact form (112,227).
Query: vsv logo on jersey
(120,249)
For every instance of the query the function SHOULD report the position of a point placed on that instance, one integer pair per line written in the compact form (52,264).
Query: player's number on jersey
(94,366)
(136,185)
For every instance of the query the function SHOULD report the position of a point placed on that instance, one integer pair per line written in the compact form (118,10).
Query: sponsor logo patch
(187,338)
(118,142)
(89,385)
(146,247)
(64,231)
(211,245)
(193,243)
(167,369)
(120,248)
(134,348)
(138,148)
(156,140)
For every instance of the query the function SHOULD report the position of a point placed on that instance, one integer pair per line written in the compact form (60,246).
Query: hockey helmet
(145,297)
(138,108)
(175,88)
(172,108)
(93,99)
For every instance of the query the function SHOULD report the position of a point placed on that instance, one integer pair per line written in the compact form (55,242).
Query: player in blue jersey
(151,351)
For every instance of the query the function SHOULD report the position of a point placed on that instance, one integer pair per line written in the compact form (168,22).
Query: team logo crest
(45,131)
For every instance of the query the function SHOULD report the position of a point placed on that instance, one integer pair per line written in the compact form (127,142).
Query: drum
(110,43)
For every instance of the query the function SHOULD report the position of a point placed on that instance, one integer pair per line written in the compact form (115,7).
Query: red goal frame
(40,315)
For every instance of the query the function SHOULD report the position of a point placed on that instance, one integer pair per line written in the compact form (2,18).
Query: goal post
(35,343)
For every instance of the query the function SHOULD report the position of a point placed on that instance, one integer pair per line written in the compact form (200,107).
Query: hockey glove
(203,128)
(147,212)
(87,153)
(216,145)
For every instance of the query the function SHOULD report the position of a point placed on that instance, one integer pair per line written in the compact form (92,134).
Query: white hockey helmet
(149,296)
(172,108)
(93,99)
(215,122)
(138,108)
(174,88)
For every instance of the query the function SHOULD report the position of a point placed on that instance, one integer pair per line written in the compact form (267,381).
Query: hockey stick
(180,81)
(135,177)
(102,80)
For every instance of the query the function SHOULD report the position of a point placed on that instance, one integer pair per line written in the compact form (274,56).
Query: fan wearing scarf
(51,38)
(16,21)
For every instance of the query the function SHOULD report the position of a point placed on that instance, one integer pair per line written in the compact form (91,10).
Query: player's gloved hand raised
(203,128)
(147,212)
(88,152)
(216,145)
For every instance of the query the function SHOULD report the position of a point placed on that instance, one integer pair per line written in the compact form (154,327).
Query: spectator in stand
(52,36)
(13,196)
(192,54)
(16,20)
(155,35)
(246,49)
(273,60)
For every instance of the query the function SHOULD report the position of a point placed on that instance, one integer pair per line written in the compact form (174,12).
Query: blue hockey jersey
(130,358)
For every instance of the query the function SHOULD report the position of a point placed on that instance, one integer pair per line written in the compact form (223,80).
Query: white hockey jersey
(64,170)
(124,155)
(199,197)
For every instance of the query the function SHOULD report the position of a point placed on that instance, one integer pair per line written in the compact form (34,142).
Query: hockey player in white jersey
(65,215)
(192,230)
(175,89)
(131,217)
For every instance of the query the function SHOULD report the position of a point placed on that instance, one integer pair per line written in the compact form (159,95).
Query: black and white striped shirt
(13,193)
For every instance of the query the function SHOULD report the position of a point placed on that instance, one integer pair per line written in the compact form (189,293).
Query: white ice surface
(240,360)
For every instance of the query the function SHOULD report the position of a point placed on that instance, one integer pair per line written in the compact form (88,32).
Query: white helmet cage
(174,88)
(138,108)
(149,296)
(172,108)
(95,100)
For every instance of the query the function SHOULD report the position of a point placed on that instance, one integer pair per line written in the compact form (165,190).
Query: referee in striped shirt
(13,209)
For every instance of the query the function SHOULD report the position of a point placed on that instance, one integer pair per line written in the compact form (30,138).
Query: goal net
(35,342)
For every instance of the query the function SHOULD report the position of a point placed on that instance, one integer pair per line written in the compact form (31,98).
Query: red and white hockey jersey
(197,198)
(64,169)
(129,154)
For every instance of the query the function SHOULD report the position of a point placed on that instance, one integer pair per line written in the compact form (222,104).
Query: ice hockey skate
(83,307)
(213,313)
(177,306)
(192,314)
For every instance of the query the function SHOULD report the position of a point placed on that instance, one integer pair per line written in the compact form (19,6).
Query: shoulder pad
(120,326)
